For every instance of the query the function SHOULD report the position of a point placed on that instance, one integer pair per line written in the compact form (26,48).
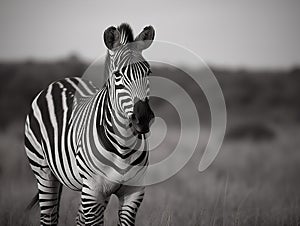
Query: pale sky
(237,33)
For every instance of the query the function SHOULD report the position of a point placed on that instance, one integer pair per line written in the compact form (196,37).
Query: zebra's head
(128,73)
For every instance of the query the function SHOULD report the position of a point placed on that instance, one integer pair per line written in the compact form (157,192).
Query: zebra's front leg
(80,216)
(92,207)
(130,199)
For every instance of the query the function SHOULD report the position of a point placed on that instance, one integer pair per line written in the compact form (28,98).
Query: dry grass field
(253,181)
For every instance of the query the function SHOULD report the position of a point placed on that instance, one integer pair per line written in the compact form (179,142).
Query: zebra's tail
(33,202)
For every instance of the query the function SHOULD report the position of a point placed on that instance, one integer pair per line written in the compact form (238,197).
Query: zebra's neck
(115,132)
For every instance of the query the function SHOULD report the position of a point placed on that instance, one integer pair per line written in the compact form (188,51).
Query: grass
(253,182)
(250,183)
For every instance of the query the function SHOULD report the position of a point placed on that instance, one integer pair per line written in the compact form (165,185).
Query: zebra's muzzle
(142,117)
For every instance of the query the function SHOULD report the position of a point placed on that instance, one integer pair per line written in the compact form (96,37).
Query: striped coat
(93,140)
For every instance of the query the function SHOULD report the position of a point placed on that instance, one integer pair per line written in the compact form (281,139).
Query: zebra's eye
(120,86)
(118,80)
(149,72)
(117,73)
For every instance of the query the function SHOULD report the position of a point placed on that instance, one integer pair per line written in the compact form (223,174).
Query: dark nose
(142,116)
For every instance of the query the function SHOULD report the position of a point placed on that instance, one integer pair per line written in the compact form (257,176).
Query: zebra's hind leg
(130,199)
(49,197)
(49,188)
(80,217)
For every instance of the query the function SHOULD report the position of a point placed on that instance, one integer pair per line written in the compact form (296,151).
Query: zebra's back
(51,135)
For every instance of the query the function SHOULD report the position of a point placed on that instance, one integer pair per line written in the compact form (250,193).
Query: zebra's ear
(111,38)
(145,38)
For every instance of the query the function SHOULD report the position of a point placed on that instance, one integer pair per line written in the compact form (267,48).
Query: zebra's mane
(126,33)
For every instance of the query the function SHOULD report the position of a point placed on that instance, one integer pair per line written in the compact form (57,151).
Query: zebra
(91,139)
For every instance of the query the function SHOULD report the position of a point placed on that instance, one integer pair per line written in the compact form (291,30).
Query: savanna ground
(253,181)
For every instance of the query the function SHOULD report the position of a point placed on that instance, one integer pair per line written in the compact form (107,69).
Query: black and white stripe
(79,136)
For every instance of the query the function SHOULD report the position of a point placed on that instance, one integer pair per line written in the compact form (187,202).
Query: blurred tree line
(252,93)
(20,82)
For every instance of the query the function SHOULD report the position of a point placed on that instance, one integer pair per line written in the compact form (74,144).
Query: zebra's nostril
(152,115)
(133,117)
